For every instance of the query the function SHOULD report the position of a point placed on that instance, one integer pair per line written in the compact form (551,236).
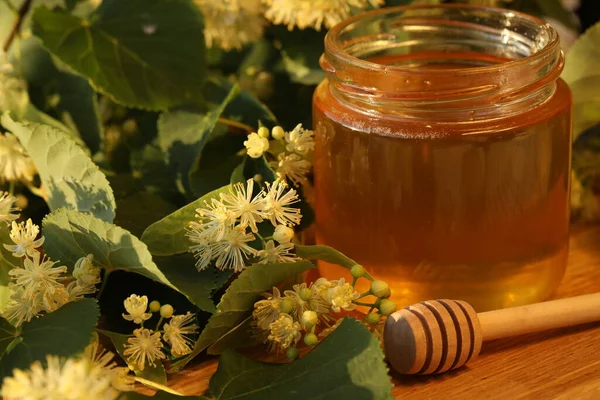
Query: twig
(11,7)
(23,10)
(236,124)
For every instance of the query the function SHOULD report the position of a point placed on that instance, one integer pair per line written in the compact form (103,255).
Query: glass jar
(442,159)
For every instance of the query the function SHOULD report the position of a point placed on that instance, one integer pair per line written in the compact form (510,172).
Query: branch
(17,25)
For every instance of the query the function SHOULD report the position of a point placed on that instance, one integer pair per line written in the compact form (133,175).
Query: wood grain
(561,364)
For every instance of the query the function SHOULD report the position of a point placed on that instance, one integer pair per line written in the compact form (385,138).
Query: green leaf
(300,54)
(71,235)
(155,374)
(72,179)
(251,167)
(167,236)
(582,73)
(238,301)
(77,104)
(244,108)
(142,53)
(348,364)
(198,286)
(327,254)
(64,333)
(8,334)
(238,337)
(183,134)
(160,395)
(140,209)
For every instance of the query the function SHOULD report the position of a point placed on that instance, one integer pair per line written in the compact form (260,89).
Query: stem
(365,294)
(159,322)
(236,124)
(360,303)
(23,10)
(11,188)
(103,285)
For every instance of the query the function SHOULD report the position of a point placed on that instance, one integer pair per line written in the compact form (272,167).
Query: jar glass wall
(442,159)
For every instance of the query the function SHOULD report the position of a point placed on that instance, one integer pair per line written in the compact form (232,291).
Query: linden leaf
(7,262)
(183,134)
(65,333)
(70,176)
(238,301)
(71,235)
(348,364)
(582,73)
(142,53)
(167,236)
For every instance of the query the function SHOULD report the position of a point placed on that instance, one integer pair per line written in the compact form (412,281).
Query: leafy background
(133,122)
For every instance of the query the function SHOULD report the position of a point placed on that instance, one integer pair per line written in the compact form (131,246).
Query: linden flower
(216,219)
(300,140)
(23,309)
(119,376)
(277,204)
(291,166)
(313,13)
(283,234)
(322,285)
(341,296)
(284,331)
(315,302)
(277,254)
(145,346)
(175,331)
(8,212)
(14,163)
(70,380)
(38,274)
(233,249)
(267,311)
(231,23)
(242,205)
(55,299)
(76,291)
(23,235)
(136,306)
(202,249)
(256,145)
(86,273)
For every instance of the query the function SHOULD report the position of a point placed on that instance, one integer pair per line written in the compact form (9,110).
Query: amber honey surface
(475,210)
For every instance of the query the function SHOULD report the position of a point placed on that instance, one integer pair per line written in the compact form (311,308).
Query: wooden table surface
(562,364)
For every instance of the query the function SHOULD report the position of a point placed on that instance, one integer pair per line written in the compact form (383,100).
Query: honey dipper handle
(540,316)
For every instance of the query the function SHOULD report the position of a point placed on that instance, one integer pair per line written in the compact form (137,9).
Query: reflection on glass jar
(443,137)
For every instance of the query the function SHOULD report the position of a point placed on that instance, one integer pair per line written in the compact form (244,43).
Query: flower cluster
(282,321)
(231,24)
(146,346)
(15,164)
(314,13)
(94,376)
(221,232)
(8,211)
(291,151)
(38,285)
(13,94)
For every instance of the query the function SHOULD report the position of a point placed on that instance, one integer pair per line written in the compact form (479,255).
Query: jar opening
(442,57)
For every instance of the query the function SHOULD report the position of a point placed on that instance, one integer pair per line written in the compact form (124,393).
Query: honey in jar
(442,159)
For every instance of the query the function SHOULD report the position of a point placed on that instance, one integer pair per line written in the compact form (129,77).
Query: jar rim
(334,47)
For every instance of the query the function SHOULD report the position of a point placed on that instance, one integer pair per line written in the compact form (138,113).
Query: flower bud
(387,307)
(311,339)
(357,271)
(372,319)
(278,132)
(263,132)
(380,289)
(292,353)
(305,294)
(258,178)
(154,306)
(287,305)
(166,311)
(283,234)
(309,319)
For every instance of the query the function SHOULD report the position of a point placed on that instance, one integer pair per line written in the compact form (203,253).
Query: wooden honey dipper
(439,335)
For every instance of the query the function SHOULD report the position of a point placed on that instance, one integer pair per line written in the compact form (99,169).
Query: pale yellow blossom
(176,331)
(24,236)
(136,307)
(144,348)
